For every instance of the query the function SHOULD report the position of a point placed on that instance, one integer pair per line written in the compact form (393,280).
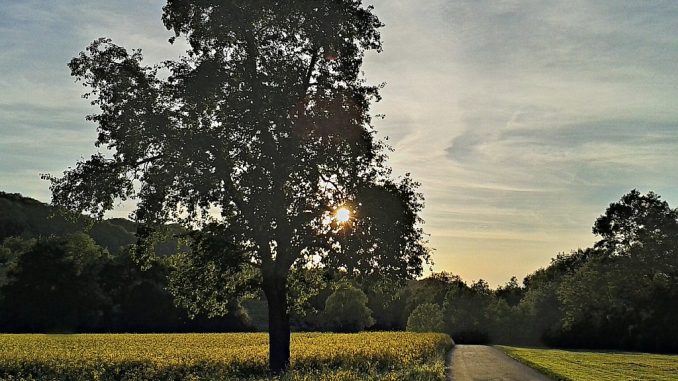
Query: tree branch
(147,160)
(329,181)
(309,72)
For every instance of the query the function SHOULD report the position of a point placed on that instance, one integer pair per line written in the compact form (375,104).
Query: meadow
(597,366)
(136,357)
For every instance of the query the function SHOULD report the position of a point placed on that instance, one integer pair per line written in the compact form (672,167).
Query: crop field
(315,356)
(598,366)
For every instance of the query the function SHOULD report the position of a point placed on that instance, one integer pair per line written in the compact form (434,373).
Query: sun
(342,215)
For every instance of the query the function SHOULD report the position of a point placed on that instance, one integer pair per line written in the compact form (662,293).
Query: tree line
(60,274)
(622,293)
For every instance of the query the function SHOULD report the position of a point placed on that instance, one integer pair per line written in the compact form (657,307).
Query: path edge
(541,369)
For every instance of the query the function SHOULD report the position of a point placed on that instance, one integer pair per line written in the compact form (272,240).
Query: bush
(427,317)
(346,310)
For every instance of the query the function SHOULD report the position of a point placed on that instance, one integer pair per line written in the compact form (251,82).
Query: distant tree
(54,286)
(541,305)
(346,310)
(481,287)
(511,292)
(387,299)
(25,217)
(430,290)
(467,312)
(11,251)
(140,301)
(621,297)
(309,288)
(638,220)
(427,317)
(264,123)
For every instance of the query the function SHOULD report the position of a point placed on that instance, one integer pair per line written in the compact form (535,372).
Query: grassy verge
(366,356)
(597,366)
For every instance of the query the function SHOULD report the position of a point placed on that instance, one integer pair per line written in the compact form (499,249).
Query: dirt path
(483,363)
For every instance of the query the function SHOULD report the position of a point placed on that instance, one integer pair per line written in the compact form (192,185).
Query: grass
(132,357)
(597,366)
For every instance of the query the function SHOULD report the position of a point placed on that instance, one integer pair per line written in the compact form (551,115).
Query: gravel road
(483,363)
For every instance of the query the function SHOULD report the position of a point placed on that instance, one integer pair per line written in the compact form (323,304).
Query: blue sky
(522,119)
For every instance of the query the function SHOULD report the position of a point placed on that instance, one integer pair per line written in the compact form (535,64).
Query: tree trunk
(278,324)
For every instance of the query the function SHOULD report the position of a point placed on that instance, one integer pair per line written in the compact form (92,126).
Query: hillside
(26,217)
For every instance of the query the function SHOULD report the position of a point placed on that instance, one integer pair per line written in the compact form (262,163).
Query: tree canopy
(260,131)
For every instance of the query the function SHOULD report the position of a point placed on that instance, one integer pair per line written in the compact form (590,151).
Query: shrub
(346,310)
(427,317)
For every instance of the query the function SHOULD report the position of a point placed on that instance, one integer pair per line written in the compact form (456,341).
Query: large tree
(623,293)
(638,225)
(258,135)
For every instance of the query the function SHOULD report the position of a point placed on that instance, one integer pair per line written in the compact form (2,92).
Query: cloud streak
(522,119)
(543,113)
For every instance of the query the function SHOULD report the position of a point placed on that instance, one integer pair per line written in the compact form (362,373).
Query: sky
(522,120)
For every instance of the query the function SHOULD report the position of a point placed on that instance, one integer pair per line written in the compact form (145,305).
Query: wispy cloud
(534,116)
(523,119)
(42,126)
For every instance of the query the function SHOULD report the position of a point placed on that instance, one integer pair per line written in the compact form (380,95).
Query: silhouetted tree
(641,226)
(432,289)
(265,123)
(387,299)
(54,286)
(511,292)
(466,312)
(620,298)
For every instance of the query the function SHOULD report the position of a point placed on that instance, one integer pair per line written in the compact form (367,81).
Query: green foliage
(346,310)
(54,287)
(635,222)
(430,290)
(309,288)
(266,120)
(618,294)
(467,312)
(387,299)
(512,293)
(621,297)
(25,217)
(70,284)
(10,251)
(217,271)
(427,317)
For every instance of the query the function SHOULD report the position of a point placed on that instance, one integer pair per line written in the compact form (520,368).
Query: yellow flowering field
(315,356)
